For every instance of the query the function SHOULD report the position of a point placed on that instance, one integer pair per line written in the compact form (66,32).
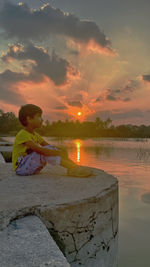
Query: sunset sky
(77,56)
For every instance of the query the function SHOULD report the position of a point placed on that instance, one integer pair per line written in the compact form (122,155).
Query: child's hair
(28,110)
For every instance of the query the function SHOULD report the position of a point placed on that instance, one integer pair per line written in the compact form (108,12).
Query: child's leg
(68,163)
(74,169)
(53,160)
(30,164)
(64,153)
(34,162)
(63,160)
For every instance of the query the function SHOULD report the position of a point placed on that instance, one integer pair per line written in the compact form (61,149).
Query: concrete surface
(27,243)
(80,213)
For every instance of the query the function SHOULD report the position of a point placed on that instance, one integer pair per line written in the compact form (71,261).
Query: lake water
(129,161)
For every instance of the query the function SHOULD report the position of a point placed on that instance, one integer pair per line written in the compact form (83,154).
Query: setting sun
(79,113)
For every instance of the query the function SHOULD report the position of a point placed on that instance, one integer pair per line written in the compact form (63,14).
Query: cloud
(61,108)
(128,114)
(75,104)
(146,78)
(74,52)
(123,93)
(127,99)
(21,22)
(8,87)
(112,98)
(55,68)
(37,67)
(120,116)
(112,95)
(129,88)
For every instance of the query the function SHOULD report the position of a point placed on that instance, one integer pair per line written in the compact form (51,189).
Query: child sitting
(31,152)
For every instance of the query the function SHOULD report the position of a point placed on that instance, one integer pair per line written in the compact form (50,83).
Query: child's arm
(42,150)
(44,143)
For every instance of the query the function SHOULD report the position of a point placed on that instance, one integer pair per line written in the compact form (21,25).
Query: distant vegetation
(9,125)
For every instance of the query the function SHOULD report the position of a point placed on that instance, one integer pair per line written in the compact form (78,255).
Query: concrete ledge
(80,213)
(27,242)
(6,151)
(6,147)
(1,159)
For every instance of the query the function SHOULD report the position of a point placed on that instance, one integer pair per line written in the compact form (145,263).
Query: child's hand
(42,150)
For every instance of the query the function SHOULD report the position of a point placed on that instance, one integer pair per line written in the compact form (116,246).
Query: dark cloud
(127,99)
(61,108)
(115,98)
(75,104)
(11,77)
(74,52)
(99,99)
(128,114)
(52,66)
(77,97)
(112,98)
(41,65)
(119,114)
(123,93)
(146,77)
(19,21)
(129,89)
(8,89)
(113,95)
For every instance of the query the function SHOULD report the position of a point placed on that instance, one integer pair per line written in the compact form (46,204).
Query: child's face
(36,121)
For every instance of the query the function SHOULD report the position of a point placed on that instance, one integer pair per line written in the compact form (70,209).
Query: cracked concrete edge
(7,216)
(37,210)
(105,242)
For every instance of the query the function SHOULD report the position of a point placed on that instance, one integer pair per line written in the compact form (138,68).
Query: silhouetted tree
(9,124)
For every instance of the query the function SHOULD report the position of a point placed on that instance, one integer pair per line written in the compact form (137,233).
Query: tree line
(10,125)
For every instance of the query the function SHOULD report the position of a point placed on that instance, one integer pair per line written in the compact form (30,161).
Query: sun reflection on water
(78,144)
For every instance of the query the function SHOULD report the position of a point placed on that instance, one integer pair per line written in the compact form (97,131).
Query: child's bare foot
(79,171)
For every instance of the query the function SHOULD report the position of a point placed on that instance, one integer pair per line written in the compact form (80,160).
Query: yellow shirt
(19,147)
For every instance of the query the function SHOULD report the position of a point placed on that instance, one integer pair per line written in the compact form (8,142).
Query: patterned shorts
(34,162)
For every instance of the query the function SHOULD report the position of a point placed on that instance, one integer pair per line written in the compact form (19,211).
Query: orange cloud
(90,47)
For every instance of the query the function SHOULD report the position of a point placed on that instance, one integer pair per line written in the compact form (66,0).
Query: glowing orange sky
(90,75)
